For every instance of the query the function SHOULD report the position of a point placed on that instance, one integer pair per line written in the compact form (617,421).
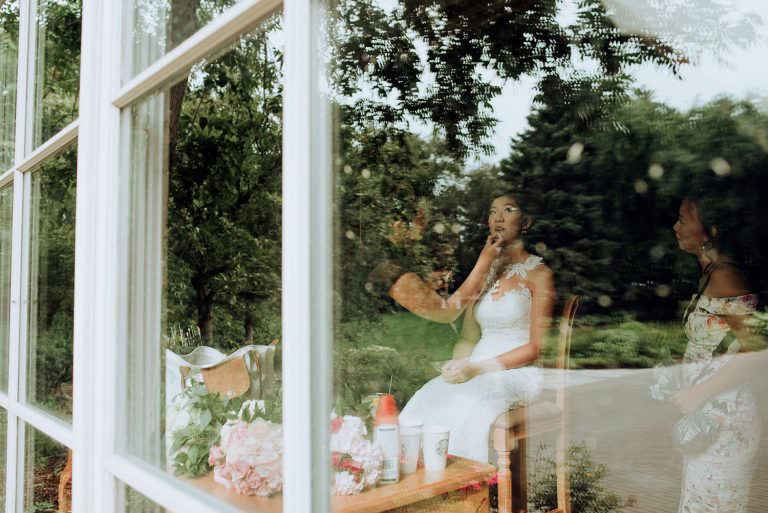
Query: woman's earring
(706,246)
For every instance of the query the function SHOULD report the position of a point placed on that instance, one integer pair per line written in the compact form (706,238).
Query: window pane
(137,503)
(204,272)
(6,214)
(57,83)
(9,51)
(568,132)
(3,470)
(158,26)
(51,284)
(47,474)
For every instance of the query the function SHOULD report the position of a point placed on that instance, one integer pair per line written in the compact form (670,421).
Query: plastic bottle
(387,436)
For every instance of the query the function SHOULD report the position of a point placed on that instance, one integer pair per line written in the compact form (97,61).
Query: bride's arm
(412,293)
(470,334)
(542,299)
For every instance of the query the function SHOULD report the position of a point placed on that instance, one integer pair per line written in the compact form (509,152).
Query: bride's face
(505,218)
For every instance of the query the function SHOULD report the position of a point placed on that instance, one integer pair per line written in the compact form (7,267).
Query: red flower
(336,424)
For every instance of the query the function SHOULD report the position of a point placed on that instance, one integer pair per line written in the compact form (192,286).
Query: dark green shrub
(588,495)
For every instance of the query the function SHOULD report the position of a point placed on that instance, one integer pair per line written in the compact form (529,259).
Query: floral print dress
(718,480)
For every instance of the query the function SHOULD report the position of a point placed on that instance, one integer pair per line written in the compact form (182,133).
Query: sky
(739,72)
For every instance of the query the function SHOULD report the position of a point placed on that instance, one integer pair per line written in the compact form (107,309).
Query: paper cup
(435,448)
(410,443)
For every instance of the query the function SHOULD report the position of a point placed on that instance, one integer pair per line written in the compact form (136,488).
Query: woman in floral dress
(715,374)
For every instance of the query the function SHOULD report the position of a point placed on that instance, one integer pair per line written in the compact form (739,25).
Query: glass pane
(204,272)
(3,435)
(567,134)
(47,474)
(6,214)
(57,82)
(158,26)
(9,51)
(137,503)
(51,285)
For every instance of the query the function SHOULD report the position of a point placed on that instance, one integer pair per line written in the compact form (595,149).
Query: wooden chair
(511,429)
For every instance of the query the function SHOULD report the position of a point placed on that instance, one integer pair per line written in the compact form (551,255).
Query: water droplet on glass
(663,290)
(655,171)
(641,186)
(366,173)
(439,228)
(348,169)
(349,234)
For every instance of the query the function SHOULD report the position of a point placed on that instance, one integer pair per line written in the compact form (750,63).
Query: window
(426,256)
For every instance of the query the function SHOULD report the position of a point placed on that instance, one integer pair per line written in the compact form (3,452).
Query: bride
(501,334)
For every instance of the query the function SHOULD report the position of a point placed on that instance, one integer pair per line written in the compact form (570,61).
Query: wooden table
(412,489)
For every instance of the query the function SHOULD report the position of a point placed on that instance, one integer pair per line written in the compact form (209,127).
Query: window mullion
(307,266)
(96,254)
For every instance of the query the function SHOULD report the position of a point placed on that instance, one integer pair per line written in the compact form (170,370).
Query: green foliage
(224,201)
(58,22)
(467,48)
(603,222)
(390,213)
(588,495)
(362,369)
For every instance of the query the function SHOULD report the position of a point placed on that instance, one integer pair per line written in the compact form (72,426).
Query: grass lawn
(617,345)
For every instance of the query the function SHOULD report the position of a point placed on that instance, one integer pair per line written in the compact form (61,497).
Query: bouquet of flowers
(356,461)
(248,458)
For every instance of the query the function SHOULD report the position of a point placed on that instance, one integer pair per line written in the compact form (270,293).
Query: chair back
(565,331)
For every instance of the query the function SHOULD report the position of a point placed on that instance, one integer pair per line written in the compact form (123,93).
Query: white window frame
(100,291)
(26,161)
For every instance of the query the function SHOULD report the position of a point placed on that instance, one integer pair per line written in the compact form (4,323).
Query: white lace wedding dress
(470,408)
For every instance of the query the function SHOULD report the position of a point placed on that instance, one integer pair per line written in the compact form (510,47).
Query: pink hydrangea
(249,457)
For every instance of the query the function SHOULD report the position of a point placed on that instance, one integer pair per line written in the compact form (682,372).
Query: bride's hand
(491,250)
(458,371)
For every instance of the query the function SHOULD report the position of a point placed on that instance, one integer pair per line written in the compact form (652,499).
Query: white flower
(344,483)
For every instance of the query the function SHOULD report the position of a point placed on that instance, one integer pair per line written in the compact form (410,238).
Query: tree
(604,199)
(224,193)
(470,47)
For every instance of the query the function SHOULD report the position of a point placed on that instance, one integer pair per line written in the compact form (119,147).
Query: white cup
(410,442)
(435,447)
(412,423)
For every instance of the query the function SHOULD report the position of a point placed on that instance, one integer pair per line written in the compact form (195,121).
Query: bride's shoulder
(541,273)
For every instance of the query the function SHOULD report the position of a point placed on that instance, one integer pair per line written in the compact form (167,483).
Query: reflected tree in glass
(47,474)
(51,285)
(57,82)
(9,50)
(6,216)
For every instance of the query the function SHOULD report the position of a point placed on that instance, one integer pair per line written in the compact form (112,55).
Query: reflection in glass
(204,270)
(601,116)
(51,284)
(9,49)
(159,26)
(47,474)
(137,503)
(3,434)
(6,215)
(57,82)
